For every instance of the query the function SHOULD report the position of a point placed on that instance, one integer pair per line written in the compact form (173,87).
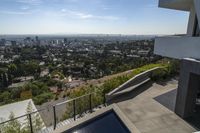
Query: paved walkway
(144,108)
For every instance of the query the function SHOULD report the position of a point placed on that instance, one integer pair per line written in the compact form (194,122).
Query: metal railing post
(30,122)
(29,117)
(54,117)
(74,108)
(90,101)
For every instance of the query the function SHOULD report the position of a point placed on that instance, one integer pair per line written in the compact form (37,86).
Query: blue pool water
(107,123)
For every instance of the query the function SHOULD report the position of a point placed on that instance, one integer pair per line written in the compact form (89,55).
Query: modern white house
(140,105)
(187,49)
(180,47)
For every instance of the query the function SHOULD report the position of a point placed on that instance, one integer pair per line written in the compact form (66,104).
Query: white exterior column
(191,21)
(197,9)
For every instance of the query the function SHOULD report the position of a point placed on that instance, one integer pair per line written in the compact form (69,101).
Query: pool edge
(130,126)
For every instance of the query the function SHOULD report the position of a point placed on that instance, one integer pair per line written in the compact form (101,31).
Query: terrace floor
(150,108)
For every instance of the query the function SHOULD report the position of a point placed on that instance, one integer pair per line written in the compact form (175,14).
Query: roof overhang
(183,5)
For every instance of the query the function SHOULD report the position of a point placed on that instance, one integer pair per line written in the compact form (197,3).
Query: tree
(9,78)
(5,80)
(42,98)
(38,70)
(38,88)
(12,69)
(51,68)
(11,73)
(26,127)
(59,85)
(37,122)
(15,92)
(36,76)
(1,81)
(13,126)
(31,67)
(5,97)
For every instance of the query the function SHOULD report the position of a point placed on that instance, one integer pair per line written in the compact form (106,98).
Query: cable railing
(69,110)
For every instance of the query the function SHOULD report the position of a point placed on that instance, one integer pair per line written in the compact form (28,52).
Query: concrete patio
(150,108)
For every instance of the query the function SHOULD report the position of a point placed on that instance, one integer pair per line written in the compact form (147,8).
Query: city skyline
(91,17)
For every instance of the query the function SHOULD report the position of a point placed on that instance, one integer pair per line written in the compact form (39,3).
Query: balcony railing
(75,107)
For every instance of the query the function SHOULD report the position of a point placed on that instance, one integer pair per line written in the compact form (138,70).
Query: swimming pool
(106,123)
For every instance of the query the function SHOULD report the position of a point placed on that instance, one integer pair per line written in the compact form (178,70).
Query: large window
(196,28)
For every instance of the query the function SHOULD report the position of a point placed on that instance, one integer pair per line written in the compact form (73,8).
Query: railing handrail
(28,115)
(46,108)
(74,107)
(70,100)
(22,116)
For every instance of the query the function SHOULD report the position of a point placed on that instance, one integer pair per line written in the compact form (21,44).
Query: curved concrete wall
(135,81)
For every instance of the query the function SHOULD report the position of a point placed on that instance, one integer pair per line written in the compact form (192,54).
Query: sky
(140,17)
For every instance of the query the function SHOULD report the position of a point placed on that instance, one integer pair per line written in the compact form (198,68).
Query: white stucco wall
(178,47)
(197,9)
(191,21)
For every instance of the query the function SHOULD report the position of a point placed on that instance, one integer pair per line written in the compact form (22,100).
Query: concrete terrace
(150,108)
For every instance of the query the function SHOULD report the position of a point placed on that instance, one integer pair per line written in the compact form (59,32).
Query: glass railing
(54,116)
(28,123)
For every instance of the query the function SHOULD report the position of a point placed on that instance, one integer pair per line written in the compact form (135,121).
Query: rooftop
(18,108)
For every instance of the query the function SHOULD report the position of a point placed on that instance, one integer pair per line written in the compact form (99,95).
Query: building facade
(187,49)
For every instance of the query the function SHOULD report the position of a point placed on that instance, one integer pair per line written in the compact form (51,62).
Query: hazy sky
(89,16)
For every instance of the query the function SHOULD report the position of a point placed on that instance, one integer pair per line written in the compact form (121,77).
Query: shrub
(51,82)
(159,74)
(42,98)
(5,97)
(25,95)
(61,76)
(106,87)
(111,84)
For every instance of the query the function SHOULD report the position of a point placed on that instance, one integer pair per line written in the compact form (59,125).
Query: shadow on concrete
(131,94)
(164,82)
(168,99)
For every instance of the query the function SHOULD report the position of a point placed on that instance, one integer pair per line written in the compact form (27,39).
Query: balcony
(178,47)
(145,109)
